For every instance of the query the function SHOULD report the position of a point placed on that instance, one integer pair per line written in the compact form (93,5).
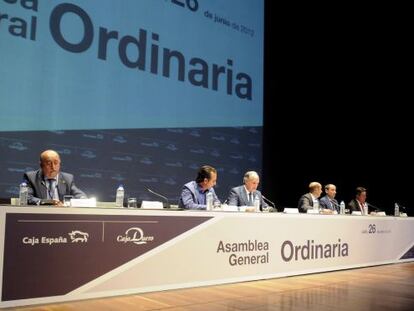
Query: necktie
(52,188)
(250,199)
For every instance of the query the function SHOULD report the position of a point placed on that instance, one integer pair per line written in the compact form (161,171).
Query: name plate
(83,202)
(290,210)
(230,208)
(152,205)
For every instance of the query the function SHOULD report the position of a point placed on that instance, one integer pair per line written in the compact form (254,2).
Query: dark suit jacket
(238,197)
(305,203)
(325,203)
(353,205)
(37,188)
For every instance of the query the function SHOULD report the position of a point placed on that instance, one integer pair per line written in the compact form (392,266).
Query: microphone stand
(273,204)
(167,203)
(376,209)
(337,206)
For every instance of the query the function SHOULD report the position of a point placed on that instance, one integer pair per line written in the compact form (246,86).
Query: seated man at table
(359,204)
(245,194)
(193,194)
(310,200)
(49,183)
(328,204)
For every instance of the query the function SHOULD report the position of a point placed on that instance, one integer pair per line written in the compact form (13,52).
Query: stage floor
(387,287)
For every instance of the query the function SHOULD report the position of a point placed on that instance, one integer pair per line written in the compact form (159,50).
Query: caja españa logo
(77,236)
(134,235)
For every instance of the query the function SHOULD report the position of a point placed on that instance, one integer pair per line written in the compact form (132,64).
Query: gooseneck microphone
(273,204)
(376,209)
(337,206)
(167,202)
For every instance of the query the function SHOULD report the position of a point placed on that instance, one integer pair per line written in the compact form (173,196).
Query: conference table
(55,254)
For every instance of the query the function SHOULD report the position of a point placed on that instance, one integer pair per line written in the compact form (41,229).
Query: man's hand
(57,203)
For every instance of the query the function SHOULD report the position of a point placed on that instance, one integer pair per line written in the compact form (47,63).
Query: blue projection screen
(138,92)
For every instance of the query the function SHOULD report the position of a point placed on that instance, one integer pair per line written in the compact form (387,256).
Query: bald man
(310,200)
(49,182)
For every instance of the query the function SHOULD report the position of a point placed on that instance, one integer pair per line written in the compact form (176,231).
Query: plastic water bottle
(316,205)
(23,191)
(365,209)
(257,204)
(342,208)
(209,201)
(396,210)
(119,198)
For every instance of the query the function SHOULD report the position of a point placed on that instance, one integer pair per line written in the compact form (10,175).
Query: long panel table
(51,254)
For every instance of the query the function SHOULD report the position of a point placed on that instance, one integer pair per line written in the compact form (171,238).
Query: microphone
(166,203)
(338,207)
(273,209)
(376,209)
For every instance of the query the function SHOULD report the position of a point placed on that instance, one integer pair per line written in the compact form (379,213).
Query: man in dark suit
(49,182)
(310,199)
(359,202)
(328,203)
(246,194)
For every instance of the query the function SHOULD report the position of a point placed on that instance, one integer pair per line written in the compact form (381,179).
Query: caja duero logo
(134,235)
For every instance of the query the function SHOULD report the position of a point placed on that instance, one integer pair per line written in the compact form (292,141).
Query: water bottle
(257,204)
(396,210)
(23,191)
(119,198)
(342,208)
(209,201)
(316,205)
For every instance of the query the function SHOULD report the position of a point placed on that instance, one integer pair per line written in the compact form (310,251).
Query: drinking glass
(132,202)
(67,199)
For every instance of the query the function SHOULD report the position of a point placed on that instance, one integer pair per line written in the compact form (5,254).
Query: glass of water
(132,202)
(67,199)
(216,205)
